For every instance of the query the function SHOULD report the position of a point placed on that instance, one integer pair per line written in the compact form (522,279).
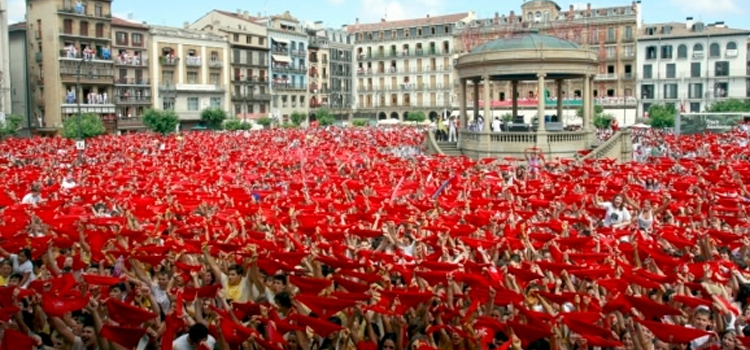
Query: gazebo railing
(513,137)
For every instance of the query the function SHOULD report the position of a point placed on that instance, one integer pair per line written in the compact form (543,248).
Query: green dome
(525,41)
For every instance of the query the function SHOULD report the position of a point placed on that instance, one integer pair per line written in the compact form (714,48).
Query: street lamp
(80,145)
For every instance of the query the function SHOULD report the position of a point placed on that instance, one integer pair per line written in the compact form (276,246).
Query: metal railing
(169,60)
(133,99)
(127,81)
(135,61)
(192,61)
(215,64)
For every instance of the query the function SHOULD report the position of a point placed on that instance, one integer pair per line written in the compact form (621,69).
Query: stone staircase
(449,148)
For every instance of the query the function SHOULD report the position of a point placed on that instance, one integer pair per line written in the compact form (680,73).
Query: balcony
(251,97)
(133,61)
(169,60)
(192,87)
(102,108)
(215,64)
(193,61)
(288,86)
(629,55)
(628,76)
(607,76)
(299,53)
(281,68)
(69,33)
(133,82)
(38,56)
(133,100)
(281,50)
(130,123)
(99,72)
(628,39)
(73,10)
(71,53)
(249,80)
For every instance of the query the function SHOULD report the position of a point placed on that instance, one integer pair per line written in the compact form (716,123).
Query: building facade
(341,82)
(249,61)
(611,32)
(319,72)
(287,39)
(130,52)
(691,65)
(18,74)
(190,72)
(405,66)
(77,42)
(5,72)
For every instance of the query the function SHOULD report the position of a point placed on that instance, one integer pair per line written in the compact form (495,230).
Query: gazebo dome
(525,41)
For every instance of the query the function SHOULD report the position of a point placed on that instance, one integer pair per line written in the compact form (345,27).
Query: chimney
(428,15)
(571,11)
(720,24)
(689,23)
(357,21)
(497,17)
(382,20)
(259,16)
(239,12)
(246,14)
(588,10)
(186,25)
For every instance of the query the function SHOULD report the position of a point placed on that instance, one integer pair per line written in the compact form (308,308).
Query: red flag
(673,334)
(58,307)
(126,314)
(128,337)
(97,280)
(320,326)
(15,340)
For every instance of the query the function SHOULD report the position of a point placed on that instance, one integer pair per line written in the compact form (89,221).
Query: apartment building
(130,52)
(610,31)
(319,72)
(5,97)
(341,84)
(190,71)
(249,62)
(18,74)
(288,40)
(405,66)
(691,64)
(67,41)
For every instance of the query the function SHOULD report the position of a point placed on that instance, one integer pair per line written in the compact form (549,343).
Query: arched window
(682,51)
(530,16)
(714,50)
(731,45)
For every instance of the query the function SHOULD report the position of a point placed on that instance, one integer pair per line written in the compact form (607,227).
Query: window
(168,103)
(611,52)
(215,102)
(670,91)
(651,53)
(214,79)
(611,33)
(121,38)
(628,32)
(84,28)
(214,56)
(695,70)
(714,50)
(629,52)
(695,107)
(697,50)
(666,51)
(671,71)
(721,90)
(235,37)
(100,30)
(192,103)
(192,77)
(732,49)
(98,10)
(261,41)
(168,77)
(682,51)
(647,92)
(249,39)
(695,90)
(137,39)
(722,69)
(648,71)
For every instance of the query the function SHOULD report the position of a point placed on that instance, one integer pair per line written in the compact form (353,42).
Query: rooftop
(184,33)
(677,30)
(525,41)
(17,26)
(119,22)
(243,16)
(383,25)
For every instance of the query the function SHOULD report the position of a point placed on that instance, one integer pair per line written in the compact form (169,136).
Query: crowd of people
(345,238)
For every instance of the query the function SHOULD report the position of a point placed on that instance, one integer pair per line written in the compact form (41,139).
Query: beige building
(130,45)
(70,40)
(5,101)
(190,71)
(248,43)
(611,32)
(404,66)
(319,73)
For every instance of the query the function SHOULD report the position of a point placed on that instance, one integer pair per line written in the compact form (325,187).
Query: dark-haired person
(22,265)
(192,340)
(235,281)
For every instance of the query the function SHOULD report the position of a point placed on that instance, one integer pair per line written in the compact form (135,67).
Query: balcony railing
(281,68)
(133,99)
(280,50)
(127,81)
(607,76)
(135,61)
(74,54)
(299,53)
(80,11)
(254,80)
(169,60)
(402,53)
(215,64)
(288,86)
(192,61)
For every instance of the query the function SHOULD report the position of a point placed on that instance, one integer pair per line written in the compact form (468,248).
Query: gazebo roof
(525,41)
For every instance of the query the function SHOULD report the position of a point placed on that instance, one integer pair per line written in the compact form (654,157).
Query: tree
(602,121)
(598,110)
(297,118)
(11,125)
(91,126)
(235,124)
(507,118)
(324,117)
(265,122)
(213,118)
(159,121)
(731,105)
(360,122)
(662,116)
(416,116)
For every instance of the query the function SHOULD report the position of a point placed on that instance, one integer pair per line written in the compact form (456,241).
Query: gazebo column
(463,118)
(487,104)
(559,84)
(476,101)
(585,103)
(592,104)
(514,94)
(541,99)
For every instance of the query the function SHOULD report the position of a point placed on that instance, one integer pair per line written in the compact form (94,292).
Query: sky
(335,13)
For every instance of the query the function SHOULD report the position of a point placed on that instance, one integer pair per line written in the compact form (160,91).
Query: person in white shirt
(22,265)
(496,125)
(197,335)
(452,129)
(617,215)
(68,182)
(34,197)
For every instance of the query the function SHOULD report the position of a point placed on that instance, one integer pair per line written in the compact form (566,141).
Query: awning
(281,41)
(281,59)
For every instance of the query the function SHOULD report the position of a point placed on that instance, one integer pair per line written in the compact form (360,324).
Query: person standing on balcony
(496,125)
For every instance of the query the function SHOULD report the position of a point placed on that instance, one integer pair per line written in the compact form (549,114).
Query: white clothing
(68,184)
(615,216)
(496,125)
(182,343)
(21,269)
(30,198)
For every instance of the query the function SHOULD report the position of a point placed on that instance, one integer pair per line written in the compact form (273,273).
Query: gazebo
(524,57)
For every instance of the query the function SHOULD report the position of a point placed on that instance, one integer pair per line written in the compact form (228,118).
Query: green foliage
(662,116)
(507,117)
(163,122)
(11,125)
(416,116)
(213,118)
(235,124)
(297,118)
(91,126)
(602,121)
(360,122)
(598,110)
(265,122)
(324,117)
(288,125)
(641,120)
(731,105)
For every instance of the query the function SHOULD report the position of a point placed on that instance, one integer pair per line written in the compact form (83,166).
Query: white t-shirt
(615,216)
(182,343)
(30,198)
(496,125)
(68,184)
(28,266)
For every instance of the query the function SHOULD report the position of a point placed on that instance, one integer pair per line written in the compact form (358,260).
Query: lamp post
(80,145)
